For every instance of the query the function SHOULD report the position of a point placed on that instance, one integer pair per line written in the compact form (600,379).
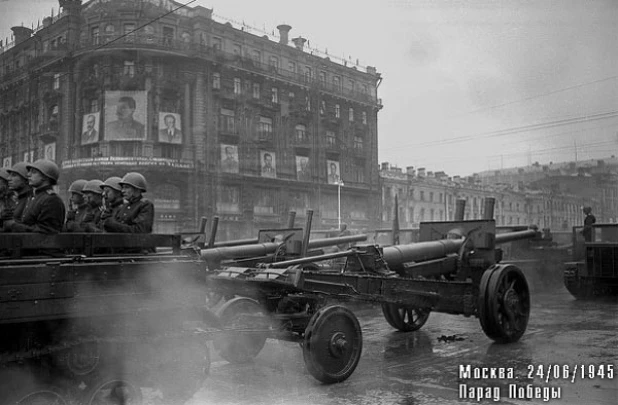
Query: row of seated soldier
(28,202)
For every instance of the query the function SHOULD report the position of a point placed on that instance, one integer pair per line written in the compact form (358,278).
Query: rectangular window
(358,143)
(227,121)
(275,95)
(128,30)
(331,139)
(228,199)
(216,80)
(265,129)
(257,56)
(292,67)
(256,90)
(237,86)
(431,197)
(216,43)
(94,105)
(308,103)
(299,201)
(56,84)
(364,117)
(265,202)
(351,114)
(274,62)
(322,107)
(129,68)
(422,196)
(307,74)
(300,132)
(322,78)
(336,83)
(337,111)
(94,35)
(359,172)
(236,49)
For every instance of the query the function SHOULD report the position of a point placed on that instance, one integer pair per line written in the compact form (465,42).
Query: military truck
(593,271)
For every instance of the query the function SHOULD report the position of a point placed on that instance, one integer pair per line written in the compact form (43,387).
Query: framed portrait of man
(268,164)
(90,128)
(170,129)
(29,156)
(332,168)
(7,162)
(229,158)
(50,151)
(303,173)
(125,115)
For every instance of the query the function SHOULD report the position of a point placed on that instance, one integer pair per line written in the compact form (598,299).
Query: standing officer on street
(45,210)
(136,215)
(588,221)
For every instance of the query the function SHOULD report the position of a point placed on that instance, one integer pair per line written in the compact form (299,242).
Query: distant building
(97,84)
(431,196)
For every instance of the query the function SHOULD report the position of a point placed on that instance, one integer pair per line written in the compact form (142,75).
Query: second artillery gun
(455,269)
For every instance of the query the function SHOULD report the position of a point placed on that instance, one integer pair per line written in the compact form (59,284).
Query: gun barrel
(420,251)
(318,243)
(518,235)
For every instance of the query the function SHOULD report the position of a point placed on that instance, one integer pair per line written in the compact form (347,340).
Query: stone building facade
(219,120)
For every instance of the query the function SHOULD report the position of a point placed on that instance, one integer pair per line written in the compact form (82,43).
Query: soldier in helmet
(93,195)
(45,210)
(18,183)
(7,204)
(78,208)
(112,197)
(588,221)
(136,214)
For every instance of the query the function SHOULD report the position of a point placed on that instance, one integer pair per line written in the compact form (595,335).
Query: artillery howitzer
(593,271)
(454,269)
(87,316)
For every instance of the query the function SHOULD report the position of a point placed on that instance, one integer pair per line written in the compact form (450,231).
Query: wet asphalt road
(418,368)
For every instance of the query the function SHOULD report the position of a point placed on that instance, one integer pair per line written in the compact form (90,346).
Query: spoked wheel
(333,344)
(111,390)
(25,386)
(504,303)
(239,347)
(81,360)
(405,319)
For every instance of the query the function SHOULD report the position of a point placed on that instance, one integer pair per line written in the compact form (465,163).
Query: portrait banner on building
(170,129)
(29,156)
(90,128)
(302,168)
(229,158)
(332,167)
(126,115)
(7,162)
(268,164)
(50,151)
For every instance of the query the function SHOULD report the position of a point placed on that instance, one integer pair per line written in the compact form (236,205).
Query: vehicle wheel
(333,344)
(405,319)
(26,386)
(113,390)
(504,303)
(39,394)
(239,347)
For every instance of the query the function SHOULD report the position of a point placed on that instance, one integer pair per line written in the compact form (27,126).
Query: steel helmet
(4,174)
(112,182)
(136,180)
(93,186)
(587,210)
(48,168)
(77,186)
(19,168)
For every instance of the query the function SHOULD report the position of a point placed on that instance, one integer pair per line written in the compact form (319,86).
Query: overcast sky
(468,85)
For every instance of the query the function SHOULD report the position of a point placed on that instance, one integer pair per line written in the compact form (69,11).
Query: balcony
(304,141)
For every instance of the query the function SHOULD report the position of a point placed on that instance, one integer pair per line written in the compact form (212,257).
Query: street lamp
(339,185)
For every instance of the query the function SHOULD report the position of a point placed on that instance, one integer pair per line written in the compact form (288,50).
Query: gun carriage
(94,317)
(454,269)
